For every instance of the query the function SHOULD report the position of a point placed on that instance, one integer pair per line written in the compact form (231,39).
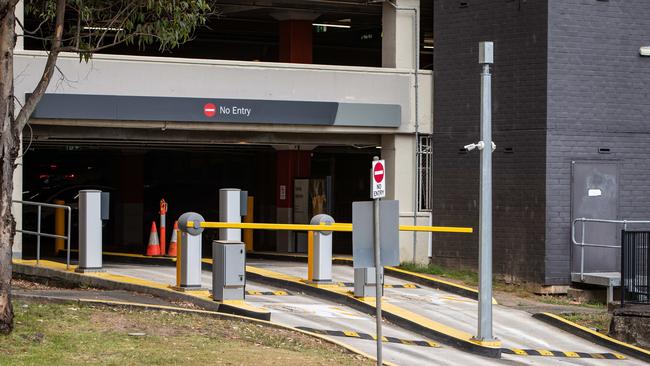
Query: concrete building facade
(160,126)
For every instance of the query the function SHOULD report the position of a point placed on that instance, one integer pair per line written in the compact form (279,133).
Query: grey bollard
(321,251)
(230,211)
(364,282)
(90,231)
(189,260)
(228,270)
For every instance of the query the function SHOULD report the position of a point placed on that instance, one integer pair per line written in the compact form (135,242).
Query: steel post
(38,236)
(378,283)
(485,221)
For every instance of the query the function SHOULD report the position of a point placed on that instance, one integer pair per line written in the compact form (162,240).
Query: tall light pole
(486,146)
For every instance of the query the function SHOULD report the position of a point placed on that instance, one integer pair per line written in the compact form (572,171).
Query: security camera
(645,51)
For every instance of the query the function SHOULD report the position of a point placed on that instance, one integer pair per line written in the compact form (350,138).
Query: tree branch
(32,100)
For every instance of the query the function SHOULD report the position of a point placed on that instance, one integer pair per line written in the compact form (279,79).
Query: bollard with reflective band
(189,260)
(319,251)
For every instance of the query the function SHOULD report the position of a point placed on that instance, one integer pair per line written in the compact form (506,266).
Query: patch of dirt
(23,284)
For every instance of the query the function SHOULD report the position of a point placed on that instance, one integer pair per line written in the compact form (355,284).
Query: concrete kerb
(395,272)
(593,336)
(207,313)
(167,294)
(360,305)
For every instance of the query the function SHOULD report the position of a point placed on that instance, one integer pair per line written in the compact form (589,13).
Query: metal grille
(425,171)
(635,267)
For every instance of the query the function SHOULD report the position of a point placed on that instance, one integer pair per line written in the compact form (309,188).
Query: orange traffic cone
(154,245)
(172,243)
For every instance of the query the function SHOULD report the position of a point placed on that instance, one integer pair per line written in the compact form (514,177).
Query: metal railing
(39,234)
(582,243)
(635,267)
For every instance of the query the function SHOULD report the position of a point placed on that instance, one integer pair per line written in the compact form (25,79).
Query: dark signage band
(141,108)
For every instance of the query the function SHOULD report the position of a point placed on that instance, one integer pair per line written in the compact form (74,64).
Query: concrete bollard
(90,231)
(188,262)
(364,282)
(228,270)
(319,251)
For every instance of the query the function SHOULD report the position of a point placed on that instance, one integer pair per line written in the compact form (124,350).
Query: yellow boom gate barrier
(323,227)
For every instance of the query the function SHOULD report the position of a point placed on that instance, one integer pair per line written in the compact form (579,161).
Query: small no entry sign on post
(377,180)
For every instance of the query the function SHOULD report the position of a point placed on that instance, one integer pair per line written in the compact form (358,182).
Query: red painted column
(296,41)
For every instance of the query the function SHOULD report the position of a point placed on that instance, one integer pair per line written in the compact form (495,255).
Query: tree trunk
(9,146)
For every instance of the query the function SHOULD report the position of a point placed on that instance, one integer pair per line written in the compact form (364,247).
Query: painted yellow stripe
(310,255)
(269,226)
(544,352)
(597,334)
(349,333)
(437,229)
(571,354)
(597,355)
(46,264)
(519,352)
(280,293)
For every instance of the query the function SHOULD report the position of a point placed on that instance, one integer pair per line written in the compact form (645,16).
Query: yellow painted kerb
(597,334)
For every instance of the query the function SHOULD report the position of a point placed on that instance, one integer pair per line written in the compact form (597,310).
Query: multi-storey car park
(290,100)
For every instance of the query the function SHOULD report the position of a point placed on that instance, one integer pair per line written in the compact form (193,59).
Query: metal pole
(378,284)
(582,253)
(485,222)
(67,263)
(38,237)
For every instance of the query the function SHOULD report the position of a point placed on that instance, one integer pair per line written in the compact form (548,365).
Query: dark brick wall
(598,96)
(519,30)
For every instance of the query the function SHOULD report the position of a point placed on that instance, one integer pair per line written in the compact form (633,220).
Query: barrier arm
(338,227)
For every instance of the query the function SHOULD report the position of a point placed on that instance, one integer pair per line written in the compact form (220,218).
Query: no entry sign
(209,110)
(377,180)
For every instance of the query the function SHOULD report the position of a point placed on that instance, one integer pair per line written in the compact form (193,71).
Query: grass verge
(59,334)
(596,321)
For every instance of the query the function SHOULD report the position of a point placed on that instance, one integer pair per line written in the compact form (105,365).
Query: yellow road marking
(571,354)
(544,352)
(349,333)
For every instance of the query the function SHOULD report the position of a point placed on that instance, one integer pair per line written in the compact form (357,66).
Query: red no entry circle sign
(378,172)
(209,110)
